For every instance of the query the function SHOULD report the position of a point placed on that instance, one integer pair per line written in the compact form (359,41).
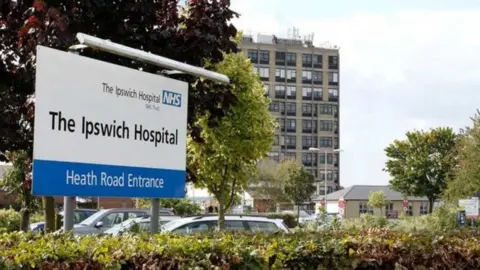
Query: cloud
(399,71)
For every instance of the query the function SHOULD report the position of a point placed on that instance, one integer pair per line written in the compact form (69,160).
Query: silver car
(142,223)
(107,218)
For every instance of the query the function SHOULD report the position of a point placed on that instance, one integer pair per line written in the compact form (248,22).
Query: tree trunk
(298,214)
(24,220)
(221,215)
(49,214)
(431,202)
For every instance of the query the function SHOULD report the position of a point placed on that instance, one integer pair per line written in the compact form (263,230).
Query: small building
(351,202)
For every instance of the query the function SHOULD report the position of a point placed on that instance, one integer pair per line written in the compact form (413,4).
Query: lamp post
(314,149)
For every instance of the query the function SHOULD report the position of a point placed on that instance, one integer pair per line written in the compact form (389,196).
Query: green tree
(467,175)
(180,207)
(299,185)
(422,164)
(227,158)
(267,185)
(377,199)
(17,182)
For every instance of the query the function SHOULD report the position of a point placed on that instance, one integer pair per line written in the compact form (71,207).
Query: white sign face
(106,130)
(471,207)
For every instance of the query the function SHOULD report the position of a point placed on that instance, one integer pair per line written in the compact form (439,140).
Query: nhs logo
(171,98)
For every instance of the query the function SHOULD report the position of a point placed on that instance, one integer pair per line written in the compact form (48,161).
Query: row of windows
(308,125)
(290,75)
(290,59)
(290,142)
(423,209)
(308,109)
(308,93)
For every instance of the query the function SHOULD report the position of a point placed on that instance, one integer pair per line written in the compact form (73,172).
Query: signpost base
(154,219)
(68,208)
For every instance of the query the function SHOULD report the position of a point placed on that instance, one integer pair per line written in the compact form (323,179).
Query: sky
(403,65)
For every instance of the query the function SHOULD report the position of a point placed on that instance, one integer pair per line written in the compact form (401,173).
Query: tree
(422,164)
(17,183)
(377,199)
(197,34)
(467,175)
(227,159)
(267,184)
(299,185)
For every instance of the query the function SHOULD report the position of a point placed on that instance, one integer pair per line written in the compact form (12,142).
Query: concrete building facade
(303,82)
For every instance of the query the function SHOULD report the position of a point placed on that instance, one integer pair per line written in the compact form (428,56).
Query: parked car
(304,216)
(202,224)
(79,215)
(107,218)
(142,224)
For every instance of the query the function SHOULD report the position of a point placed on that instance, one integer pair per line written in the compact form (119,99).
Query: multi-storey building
(303,82)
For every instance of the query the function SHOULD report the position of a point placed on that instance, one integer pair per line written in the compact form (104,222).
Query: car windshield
(124,226)
(171,225)
(92,218)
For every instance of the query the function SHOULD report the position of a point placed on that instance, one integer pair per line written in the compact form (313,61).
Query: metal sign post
(106,173)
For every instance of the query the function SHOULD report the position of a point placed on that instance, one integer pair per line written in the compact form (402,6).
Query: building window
(335,176)
(264,57)
(317,93)
(336,143)
(306,60)
(326,109)
(307,93)
(326,142)
(309,159)
(274,106)
(291,125)
(333,62)
(317,61)
(423,208)
(276,140)
(326,125)
(333,78)
(364,208)
(280,58)
(281,123)
(410,209)
(307,126)
(291,142)
(274,156)
(253,55)
(282,108)
(335,159)
(280,75)
(264,73)
(306,77)
(291,75)
(279,91)
(266,87)
(291,59)
(317,77)
(306,142)
(332,94)
(291,108)
(306,109)
(291,92)
(290,155)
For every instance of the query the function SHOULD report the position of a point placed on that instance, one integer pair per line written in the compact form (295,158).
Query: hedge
(367,249)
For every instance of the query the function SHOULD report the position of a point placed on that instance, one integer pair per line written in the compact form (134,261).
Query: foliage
(289,219)
(17,182)
(180,207)
(467,177)
(298,183)
(268,184)
(9,220)
(377,199)
(422,164)
(230,151)
(366,249)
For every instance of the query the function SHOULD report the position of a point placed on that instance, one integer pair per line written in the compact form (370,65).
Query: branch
(232,193)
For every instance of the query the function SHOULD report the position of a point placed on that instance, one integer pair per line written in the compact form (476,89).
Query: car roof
(230,217)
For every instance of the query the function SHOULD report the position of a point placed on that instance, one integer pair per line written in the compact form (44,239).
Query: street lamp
(314,149)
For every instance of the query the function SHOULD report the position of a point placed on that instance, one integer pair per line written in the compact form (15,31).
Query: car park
(79,215)
(204,224)
(141,224)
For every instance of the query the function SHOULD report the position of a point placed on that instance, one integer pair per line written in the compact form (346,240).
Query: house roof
(361,193)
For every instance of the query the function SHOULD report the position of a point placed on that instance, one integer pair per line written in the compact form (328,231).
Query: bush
(9,220)
(366,249)
(289,219)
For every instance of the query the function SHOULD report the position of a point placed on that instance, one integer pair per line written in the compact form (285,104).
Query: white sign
(471,207)
(106,130)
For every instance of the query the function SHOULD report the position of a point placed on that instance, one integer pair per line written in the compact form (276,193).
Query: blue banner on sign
(58,178)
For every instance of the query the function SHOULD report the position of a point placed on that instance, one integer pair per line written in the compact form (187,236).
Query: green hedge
(368,249)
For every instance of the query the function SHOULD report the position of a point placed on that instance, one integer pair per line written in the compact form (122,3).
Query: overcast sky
(404,65)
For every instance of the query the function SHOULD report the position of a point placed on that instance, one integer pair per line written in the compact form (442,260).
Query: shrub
(289,219)
(365,249)
(9,220)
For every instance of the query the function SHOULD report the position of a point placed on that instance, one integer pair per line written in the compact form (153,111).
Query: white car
(203,224)
(143,224)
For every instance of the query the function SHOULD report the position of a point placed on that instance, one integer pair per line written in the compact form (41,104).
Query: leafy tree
(226,160)
(467,175)
(267,184)
(377,199)
(17,182)
(422,164)
(299,184)
(197,34)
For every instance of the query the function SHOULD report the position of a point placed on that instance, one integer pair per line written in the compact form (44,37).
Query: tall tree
(197,34)
(299,184)
(267,185)
(226,160)
(422,164)
(467,177)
